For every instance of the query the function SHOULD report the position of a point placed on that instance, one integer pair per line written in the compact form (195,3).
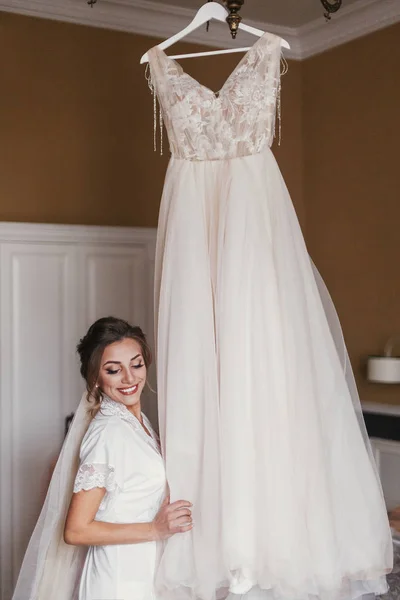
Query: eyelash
(110,372)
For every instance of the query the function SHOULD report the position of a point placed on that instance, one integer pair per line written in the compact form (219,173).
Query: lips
(129,391)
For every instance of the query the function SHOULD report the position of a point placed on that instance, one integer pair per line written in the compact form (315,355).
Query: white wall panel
(38,318)
(116,284)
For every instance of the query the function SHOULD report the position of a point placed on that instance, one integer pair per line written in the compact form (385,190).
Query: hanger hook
(234,19)
(208,22)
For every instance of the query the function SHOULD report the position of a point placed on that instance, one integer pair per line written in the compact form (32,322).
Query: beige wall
(351,117)
(76,128)
(76,122)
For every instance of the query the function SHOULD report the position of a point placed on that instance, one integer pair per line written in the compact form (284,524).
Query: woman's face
(122,372)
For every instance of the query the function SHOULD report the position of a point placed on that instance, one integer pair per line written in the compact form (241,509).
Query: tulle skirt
(260,420)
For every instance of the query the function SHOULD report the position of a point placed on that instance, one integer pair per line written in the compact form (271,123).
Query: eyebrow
(117,362)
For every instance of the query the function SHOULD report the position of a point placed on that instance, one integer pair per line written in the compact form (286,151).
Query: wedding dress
(260,421)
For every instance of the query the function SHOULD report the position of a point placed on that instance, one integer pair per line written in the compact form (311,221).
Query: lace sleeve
(95,475)
(102,460)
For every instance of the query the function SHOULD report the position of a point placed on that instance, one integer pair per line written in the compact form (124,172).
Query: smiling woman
(114,357)
(119,511)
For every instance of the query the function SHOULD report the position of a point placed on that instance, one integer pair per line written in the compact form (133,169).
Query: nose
(127,376)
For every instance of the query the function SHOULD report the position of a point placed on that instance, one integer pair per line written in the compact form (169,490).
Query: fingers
(180,525)
(180,518)
(180,504)
(183,512)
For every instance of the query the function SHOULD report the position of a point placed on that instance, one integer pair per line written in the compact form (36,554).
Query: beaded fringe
(284,69)
(160,117)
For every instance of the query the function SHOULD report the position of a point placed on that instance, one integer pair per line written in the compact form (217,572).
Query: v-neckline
(216,94)
(117,408)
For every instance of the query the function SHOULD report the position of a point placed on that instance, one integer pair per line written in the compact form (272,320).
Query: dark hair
(101,334)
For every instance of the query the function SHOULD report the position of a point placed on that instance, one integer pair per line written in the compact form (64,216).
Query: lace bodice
(239,120)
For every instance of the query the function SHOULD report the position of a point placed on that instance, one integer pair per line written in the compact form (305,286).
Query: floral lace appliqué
(238,120)
(92,476)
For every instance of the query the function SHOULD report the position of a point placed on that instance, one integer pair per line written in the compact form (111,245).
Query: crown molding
(74,234)
(351,22)
(149,18)
(143,17)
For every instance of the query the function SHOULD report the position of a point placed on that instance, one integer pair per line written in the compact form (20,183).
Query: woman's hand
(172,518)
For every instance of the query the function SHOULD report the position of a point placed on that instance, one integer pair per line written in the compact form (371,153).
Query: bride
(99,532)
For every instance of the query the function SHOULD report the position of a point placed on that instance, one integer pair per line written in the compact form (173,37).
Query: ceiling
(285,13)
(300,22)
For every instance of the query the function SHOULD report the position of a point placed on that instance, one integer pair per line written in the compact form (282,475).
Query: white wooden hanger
(209,11)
